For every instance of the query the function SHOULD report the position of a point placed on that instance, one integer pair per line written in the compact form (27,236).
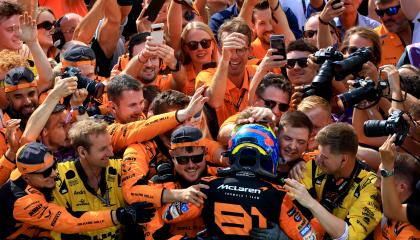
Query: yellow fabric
(360,208)
(71,193)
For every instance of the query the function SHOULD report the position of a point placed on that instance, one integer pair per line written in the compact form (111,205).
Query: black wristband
(177,67)
(322,21)
(277,7)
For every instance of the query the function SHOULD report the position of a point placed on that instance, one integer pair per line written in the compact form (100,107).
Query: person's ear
(44,132)
(81,151)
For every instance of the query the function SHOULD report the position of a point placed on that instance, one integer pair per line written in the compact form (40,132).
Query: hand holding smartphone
(277,42)
(334,4)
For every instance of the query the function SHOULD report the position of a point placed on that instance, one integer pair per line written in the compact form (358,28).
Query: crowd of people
(210,119)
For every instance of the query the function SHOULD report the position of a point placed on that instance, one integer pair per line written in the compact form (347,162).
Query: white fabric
(297,9)
(416,32)
(345,234)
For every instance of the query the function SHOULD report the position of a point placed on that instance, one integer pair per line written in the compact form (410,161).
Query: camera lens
(376,128)
(355,96)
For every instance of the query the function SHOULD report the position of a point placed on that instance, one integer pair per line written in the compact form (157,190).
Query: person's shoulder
(365,21)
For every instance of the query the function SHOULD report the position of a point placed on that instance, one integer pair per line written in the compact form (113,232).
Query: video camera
(335,66)
(394,124)
(364,90)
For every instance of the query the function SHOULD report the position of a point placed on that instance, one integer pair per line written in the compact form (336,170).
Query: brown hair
(9,9)
(81,130)
(296,119)
(235,25)
(368,34)
(184,57)
(341,138)
(407,168)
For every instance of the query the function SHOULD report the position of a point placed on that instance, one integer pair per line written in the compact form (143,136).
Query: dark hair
(264,5)
(411,82)
(276,81)
(235,25)
(9,9)
(136,39)
(341,138)
(59,108)
(301,45)
(169,100)
(296,119)
(407,168)
(120,83)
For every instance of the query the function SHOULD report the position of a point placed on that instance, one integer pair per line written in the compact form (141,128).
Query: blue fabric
(219,18)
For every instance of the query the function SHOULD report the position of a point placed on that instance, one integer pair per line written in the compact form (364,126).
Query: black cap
(186,134)
(79,53)
(18,73)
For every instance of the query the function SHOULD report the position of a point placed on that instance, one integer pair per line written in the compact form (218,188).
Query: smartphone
(334,2)
(277,42)
(157,32)
(153,9)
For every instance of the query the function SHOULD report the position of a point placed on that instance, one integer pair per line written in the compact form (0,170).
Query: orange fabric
(258,50)
(63,7)
(308,156)
(230,120)
(11,88)
(123,135)
(35,212)
(232,94)
(395,230)
(6,167)
(136,172)
(392,47)
(31,168)
(189,87)
(163,82)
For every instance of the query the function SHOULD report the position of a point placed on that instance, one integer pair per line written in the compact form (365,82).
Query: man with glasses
(395,31)
(27,213)
(297,68)
(310,33)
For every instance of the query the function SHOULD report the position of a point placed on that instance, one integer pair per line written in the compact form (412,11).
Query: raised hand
(27,31)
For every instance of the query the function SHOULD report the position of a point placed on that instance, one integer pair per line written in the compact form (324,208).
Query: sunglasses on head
(183,160)
(283,107)
(46,25)
(302,62)
(391,11)
(311,33)
(47,172)
(193,45)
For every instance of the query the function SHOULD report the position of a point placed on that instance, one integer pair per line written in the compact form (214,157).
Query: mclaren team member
(126,101)
(93,181)
(27,213)
(338,189)
(188,151)
(242,200)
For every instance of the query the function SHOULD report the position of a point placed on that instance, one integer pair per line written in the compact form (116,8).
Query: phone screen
(277,42)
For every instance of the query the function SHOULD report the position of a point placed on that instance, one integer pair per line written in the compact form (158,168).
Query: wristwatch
(387,173)
(81,110)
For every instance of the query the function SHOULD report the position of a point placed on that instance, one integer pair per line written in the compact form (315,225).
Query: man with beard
(265,18)
(395,31)
(146,58)
(27,213)
(50,121)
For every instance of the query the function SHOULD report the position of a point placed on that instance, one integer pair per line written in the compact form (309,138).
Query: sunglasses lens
(380,12)
(291,63)
(48,171)
(269,104)
(309,33)
(193,45)
(205,43)
(183,160)
(45,25)
(283,107)
(303,62)
(392,11)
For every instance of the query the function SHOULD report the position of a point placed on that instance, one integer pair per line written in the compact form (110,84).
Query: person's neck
(197,67)
(237,80)
(404,196)
(93,173)
(45,50)
(347,170)
(348,20)
(406,35)
(264,44)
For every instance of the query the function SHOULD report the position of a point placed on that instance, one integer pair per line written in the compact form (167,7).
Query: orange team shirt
(392,46)
(189,87)
(61,7)
(236,99)
(393,230)
(258,50)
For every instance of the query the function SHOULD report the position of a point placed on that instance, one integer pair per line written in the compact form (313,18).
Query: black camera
(363,90)
(329,53)
(394,124)
(353,64)
(95,89)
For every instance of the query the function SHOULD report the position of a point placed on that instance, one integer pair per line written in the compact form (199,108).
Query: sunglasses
(47,172)
(183,160)
(46,25)
(311,33)
(302,62)
(283,107)
(391,11)
(351,49)
(193,45)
